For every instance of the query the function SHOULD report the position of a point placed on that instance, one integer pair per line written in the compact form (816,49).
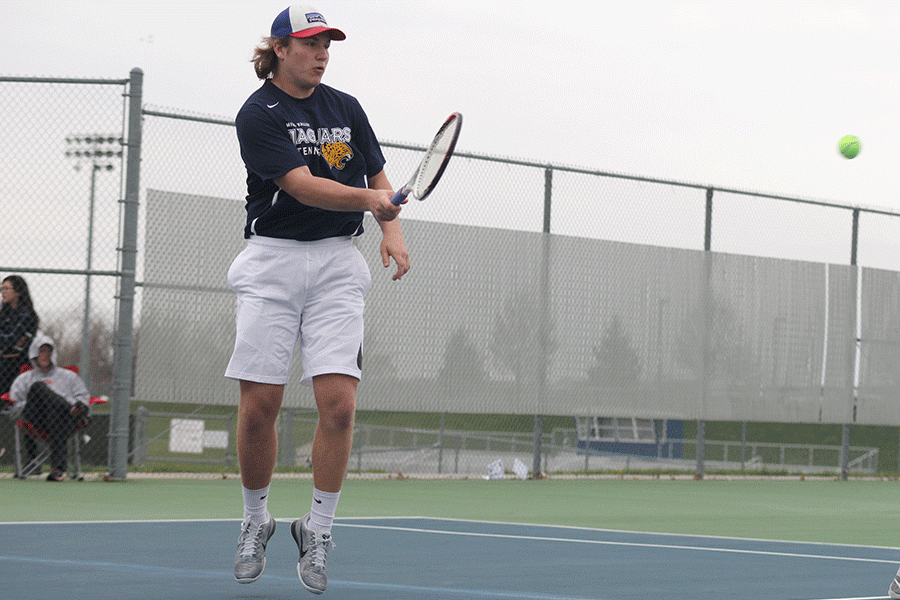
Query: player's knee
(336,401)
(255,422)
(339,416)
(336,410)
(258,416)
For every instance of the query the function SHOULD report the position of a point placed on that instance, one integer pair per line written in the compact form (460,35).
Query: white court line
(497,594)
(344,523)
(630,544)
(342,520)
(861,598)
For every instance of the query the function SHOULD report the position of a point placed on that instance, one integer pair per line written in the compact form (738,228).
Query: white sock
(255,505)
(321,514)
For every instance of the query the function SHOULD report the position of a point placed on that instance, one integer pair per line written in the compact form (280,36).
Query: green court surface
(865,512)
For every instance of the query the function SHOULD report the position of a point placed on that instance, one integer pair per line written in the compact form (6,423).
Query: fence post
(123,362)
(743,444)
(286,452)
(140,436)
(441,445)
(545,321)
(231,446)
(854,347)
(707,292)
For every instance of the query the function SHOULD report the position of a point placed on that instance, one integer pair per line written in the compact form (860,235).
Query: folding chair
(23,427)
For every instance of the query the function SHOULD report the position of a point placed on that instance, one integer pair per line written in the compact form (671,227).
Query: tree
(464,365)
(523,338)
(616,362)
(719,334)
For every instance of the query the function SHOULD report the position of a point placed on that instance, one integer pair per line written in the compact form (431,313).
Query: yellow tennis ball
(849,146)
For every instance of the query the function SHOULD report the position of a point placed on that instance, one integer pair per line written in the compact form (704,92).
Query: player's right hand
(381,207)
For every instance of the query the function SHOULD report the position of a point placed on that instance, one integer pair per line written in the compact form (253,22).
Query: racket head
(436,157)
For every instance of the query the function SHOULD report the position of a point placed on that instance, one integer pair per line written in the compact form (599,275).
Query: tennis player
(314,167)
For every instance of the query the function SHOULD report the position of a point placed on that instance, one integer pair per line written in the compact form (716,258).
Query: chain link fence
(61,182)
(539,293)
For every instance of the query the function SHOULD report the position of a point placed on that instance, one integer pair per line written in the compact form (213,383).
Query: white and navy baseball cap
(303,21)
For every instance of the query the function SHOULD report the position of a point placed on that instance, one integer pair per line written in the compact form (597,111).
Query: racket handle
(400,196)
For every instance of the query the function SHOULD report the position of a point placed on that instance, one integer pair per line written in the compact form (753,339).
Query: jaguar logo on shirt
(337,154)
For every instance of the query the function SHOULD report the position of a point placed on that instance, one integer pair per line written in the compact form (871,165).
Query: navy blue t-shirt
(329,133)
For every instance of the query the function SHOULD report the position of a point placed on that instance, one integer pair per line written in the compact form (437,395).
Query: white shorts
(290,291)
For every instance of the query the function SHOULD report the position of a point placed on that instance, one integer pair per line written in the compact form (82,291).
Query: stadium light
(100,151)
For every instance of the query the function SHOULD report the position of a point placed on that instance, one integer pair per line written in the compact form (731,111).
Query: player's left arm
(392,243)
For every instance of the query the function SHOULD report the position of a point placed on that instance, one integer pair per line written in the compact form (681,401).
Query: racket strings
(431,164)
(436,158)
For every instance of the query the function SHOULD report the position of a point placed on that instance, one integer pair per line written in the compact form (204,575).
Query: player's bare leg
(257,439)
(336,401)
(333,441)
(257,442)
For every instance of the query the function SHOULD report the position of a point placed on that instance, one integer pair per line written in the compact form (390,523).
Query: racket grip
(400,196)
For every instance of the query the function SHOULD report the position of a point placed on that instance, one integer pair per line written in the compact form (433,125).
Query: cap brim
(336,34)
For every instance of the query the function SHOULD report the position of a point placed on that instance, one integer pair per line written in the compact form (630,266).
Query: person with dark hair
(18,324)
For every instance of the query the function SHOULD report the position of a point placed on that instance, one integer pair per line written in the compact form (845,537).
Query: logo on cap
(315,18)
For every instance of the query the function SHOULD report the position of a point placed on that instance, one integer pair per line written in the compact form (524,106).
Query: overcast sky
(747,95)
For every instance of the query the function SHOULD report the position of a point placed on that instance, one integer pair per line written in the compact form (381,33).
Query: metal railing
(160,438)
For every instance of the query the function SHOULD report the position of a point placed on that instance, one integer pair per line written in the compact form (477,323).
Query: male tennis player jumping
(313,167)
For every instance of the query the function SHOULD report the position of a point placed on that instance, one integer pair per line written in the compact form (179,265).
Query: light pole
(100,152)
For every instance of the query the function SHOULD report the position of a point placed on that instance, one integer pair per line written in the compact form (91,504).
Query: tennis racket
(433,163)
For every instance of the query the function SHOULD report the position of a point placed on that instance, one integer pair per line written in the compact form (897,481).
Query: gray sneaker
(250,559)
(894,591)
(314,549)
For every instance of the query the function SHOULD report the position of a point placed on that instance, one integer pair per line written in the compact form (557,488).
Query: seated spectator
(51,398)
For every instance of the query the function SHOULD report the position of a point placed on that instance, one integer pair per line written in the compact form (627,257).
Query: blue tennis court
(426,558)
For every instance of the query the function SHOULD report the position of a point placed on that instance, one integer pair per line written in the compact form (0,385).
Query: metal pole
(854,347)
(545,322)
(84,359)
(548,198)
(441,444)
(120,408)
(707,307)
(95,148)
(743,445)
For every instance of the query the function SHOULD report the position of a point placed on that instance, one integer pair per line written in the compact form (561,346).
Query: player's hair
(265,61)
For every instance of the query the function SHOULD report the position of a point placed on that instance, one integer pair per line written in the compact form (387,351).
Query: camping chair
(24,427)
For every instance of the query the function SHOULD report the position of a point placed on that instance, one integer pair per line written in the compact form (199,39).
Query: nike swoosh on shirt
(273,105)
